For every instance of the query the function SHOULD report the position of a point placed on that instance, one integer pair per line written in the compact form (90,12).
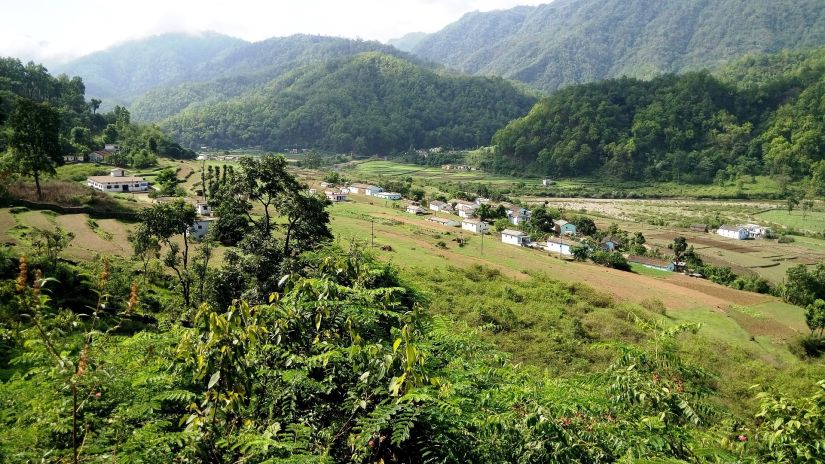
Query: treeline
(693,128)
(80,129)
(371,103)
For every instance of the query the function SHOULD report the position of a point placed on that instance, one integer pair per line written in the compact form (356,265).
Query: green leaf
(214,379)
(395,345)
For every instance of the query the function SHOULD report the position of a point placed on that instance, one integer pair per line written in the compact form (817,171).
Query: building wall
(512,239)
(556,247)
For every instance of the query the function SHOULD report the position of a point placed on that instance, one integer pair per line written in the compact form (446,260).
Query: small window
(108,186)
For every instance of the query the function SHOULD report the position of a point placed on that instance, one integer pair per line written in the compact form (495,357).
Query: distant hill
(408,42)
(761,115)
(245,68)
(370,103)
(575,41)
(118,74)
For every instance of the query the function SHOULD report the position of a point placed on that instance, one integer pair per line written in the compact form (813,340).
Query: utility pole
(482,240)
(372,232)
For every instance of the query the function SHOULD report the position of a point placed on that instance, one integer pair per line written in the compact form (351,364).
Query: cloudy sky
(54,31)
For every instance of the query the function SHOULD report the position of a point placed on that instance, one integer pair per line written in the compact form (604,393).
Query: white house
(444,221)
(201,227)
(336,196)
(757,231)
(475,226)
(558,246)
(365,189)
(465,209)
(514,237)
(416,209)
(440,206)
(388,195)
(734,232)
(518,217)
(117,181)
(203,209)
(72,158)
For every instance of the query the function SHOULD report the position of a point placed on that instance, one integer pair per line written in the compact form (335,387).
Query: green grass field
(813,221)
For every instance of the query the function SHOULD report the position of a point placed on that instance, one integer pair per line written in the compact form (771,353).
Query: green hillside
(692,128)
(371,103)
(575,41)
(247,68)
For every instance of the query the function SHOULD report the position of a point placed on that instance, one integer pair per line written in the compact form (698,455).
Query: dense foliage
(80,127)
(576,41)
(692,128)
(243,69)
(371,103)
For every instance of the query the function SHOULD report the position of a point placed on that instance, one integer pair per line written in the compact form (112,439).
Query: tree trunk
(37,184)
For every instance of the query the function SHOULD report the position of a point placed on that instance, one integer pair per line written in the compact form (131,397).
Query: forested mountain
(576,41)
(691,128)
(369,103)
(80,127)
(248,67)
(120,73)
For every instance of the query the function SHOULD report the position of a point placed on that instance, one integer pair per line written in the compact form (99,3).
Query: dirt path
(7,222)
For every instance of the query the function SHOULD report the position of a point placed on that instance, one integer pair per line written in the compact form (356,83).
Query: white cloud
(53,31)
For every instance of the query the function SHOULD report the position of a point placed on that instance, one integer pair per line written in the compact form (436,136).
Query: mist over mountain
(118,74)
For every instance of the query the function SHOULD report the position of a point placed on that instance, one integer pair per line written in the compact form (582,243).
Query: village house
(465,209)
(699,228)
(440,206)
(203,209)
(415,208)
(734,232)
(100,156)
(482,201)
(518,216)
(72,158)
(610,243)
(389,195)
(653,263)
(117,181)
(336,196)
(201,227)
(757,231)
(563,227)
(475,226)
(444,221)
(365,189)
(514,237)
(558,246)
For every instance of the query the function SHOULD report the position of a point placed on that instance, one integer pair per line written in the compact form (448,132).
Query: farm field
(813,221)
(373,169)
(413,243)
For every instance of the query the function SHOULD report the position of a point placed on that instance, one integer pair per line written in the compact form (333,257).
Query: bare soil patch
(86,242)
(706,287)
(761,326)
(7,222)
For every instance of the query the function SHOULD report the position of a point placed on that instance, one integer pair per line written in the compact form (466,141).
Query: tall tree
(35,141)
(165,223)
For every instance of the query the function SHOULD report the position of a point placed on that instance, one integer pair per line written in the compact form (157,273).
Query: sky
(56,31)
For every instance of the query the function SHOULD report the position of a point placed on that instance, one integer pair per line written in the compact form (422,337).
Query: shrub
(786,239)
(654,305)
(807,346)
(611,259)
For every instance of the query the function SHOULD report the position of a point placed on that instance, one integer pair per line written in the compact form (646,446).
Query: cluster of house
(744,231)
(336,195)
(118,181)
(97,156)
(208,157)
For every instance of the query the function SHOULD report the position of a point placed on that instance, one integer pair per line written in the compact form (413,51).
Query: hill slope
(575,41)
(691,128)
(119,73)
(246,68)
(371,103)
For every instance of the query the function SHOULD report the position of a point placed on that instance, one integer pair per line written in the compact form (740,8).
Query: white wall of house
(200,228)
(475,227)
(513,239)
(563,248)
(737,234)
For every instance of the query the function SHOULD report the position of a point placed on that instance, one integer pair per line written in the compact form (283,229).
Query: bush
(807,346)
(654,305)
(611,259)
(786,239)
